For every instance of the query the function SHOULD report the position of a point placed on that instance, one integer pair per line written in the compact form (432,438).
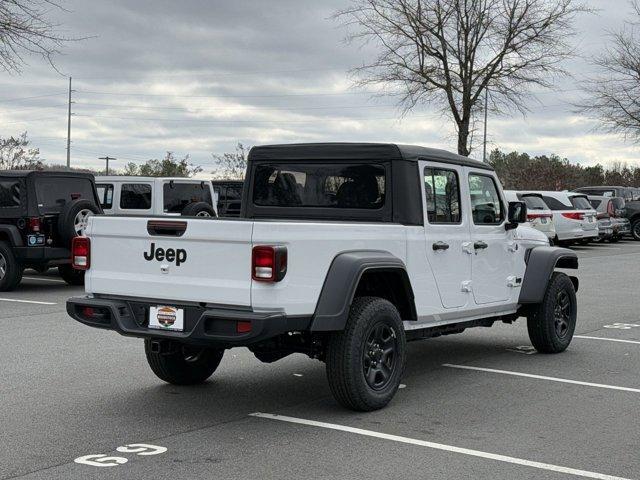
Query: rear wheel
(635,229)
(552,323)
(185,364)
(71,275)
(366,360)
(74,217)
(10,268)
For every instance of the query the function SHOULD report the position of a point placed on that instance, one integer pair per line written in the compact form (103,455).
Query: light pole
(107,158)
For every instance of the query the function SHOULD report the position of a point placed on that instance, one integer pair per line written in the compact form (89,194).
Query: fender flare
(13,235)
(341,282)
(541,263)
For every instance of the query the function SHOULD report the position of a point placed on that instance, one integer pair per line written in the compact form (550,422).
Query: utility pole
(486,107)
(107,158)
(69,128)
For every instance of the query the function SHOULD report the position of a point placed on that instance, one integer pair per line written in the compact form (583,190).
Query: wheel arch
(10,234)
(360,273)
(541,263)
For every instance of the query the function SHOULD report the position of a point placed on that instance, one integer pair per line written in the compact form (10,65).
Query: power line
(320,94)
(3,100)
(264,108)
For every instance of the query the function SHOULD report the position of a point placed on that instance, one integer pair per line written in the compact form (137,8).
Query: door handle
(440,246)
(480,245)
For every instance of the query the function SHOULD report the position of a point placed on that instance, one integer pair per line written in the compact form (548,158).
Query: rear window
(179,195)
(597,204)
(135,196)
(320,185)
(54,192)
(581,203)
(533,202)
(9,193)
(554,204)
(105,195)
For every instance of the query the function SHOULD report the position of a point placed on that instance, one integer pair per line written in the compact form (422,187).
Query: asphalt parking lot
(79,403)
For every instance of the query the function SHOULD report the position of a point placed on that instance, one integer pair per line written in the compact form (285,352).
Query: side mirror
(517,214)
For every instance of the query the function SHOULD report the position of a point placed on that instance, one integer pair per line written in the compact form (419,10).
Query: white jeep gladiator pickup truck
(343,252)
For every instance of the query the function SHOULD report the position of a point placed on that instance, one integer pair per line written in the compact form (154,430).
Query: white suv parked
(574,217)
(131,195)
(539,215)
(343,252)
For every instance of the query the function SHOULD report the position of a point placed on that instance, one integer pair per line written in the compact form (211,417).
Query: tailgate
(210,262)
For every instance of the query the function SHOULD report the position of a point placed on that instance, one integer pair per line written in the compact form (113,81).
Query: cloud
(197,76)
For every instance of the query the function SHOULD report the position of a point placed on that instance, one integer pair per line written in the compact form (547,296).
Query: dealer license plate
(164,317)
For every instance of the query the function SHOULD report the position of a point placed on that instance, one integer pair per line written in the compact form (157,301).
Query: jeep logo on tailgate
(170,255)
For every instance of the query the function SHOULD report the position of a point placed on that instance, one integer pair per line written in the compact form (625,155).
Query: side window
(135,196)
(443,195)
(485,201)
(9,193)
(105,195)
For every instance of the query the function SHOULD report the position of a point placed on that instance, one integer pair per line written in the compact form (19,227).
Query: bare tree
(448,52)
(233,165)
(613,98)
(25,29)
(17,154)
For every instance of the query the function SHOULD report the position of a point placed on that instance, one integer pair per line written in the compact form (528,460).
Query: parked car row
(41,213)
(584,215)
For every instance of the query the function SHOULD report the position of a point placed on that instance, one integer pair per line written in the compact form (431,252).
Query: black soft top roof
(43,173)
(359,151)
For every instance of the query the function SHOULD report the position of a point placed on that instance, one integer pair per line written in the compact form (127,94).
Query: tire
(71,275)
(198,209)
(186,365)
(73,218)
(635,229)
(552,323)
(373,324)
(10,268)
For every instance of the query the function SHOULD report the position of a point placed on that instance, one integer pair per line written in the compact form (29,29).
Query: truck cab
(343,252)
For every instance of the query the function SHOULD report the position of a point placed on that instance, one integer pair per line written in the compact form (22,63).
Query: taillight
(34,224)
(573,215)
(81,253)
(268,263)
(611,209)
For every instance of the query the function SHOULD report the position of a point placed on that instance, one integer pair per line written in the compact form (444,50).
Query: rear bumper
(203,326)
(55,255)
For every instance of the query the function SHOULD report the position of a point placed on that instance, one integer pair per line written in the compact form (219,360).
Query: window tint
(320,185)
(233,193)
(105,194)
(485,201)
(555,204)
(135,196)
(179,195)
(54,192)
(581,203)
(9,193)
(533,202)
(618,203)
(442,192)
(596,204)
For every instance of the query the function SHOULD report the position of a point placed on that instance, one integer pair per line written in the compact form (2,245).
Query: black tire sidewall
(345,359)
(173,368)
(13,275)
(635,229)
(66,220)
(541,324)
(71,275)
(192,209)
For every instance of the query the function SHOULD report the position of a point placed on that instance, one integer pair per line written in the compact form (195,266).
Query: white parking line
(440,446)
(542,377)
(26,301)
(40,279)
(607,339)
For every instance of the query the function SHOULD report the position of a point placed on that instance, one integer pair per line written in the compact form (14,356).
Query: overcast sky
(197,76)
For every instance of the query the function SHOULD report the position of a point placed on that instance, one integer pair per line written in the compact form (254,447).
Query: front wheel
(552,323)
(184,364)
(366,360)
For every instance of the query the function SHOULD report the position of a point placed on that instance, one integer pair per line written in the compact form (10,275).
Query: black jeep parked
(40,213)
